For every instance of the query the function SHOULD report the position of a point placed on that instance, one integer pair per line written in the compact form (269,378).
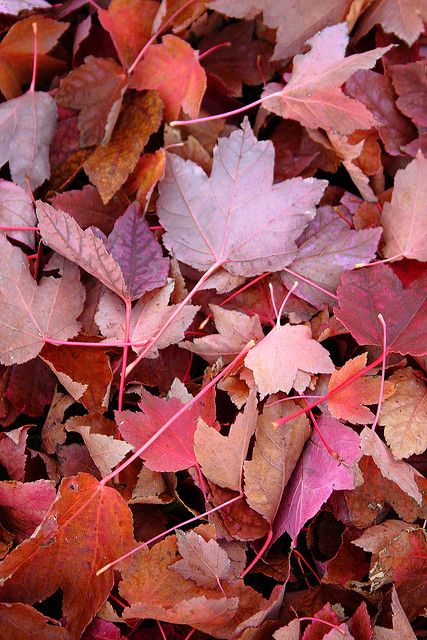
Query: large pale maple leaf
(236,218)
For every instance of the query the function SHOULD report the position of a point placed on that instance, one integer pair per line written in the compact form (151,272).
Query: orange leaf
(110,165)
(173,69)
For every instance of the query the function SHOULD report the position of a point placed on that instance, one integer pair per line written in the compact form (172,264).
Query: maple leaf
(403,219)
(282,354)
(401,625)
(28,312)
(17,209)
(12,452)
(221,457)
(61,232)
(294,23)
(204,562)
(316,475)
(137,252)
(376,93)
(84,373)
(378,290)
(174,449)
(87,208)
(291,631)
(23,619)
(129,23)
(397,471)
(235,331)
(173,70)
(327,248)
(404,18)
(96,90)
(236,218)
(87,526)
(149,314)
(27,126)
(403,416)
(24,505)
(17,53)
(105,451)
(348,403)
(410,84)
(109,166)
(274,456)
(313,95)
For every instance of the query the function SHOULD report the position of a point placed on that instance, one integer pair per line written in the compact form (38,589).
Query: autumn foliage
(213,319)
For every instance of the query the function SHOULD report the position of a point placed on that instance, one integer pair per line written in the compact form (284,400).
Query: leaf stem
(331,452)
(260,552)
(234,112)
(310,282)
(33,79)
(6,227)
(128,313)
(363,265)
(172,317)
(154,37)
(208,52)
(343,385)
(329,624)
(179,413)
(71,343)
(161,535)
(381,394)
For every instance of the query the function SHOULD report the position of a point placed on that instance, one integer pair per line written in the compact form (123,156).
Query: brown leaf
(105,451)
(401,625)
(89,368)
(204,562)
(274,457)
(22,622)
(221,457)
(96,90)
(110,165)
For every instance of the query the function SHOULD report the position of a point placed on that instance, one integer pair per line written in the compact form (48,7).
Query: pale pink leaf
(13,7)
(404,18)
(30,312)
(236,217)
(105,451)
(27,125)
(282,354)
(404,219)
(313,95)
(203,561)
(16,209)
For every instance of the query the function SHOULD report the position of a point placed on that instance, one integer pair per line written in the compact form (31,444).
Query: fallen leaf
(12,452)
(378,290)
(403,219)
(404,415)
(174,450)
(221,457)
(24,505)
(87,526)
(294,23)
(266,218)
(317,475)
(204,562)
(286,351)
(348,404)
(13,7)
(409,82)
(404,18)
(109,166)
(274,457)
(27,125)
(17,209)
(235,330)
(327,248)
(173,70)
(22,622)
(105,451)
(95,90)
(313,95)
(30,312)
(401,625)
(148,316)
(17,52)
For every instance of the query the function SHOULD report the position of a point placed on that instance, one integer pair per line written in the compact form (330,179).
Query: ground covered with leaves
(213,320)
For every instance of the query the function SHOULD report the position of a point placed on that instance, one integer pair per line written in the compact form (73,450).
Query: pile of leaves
(213,319)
